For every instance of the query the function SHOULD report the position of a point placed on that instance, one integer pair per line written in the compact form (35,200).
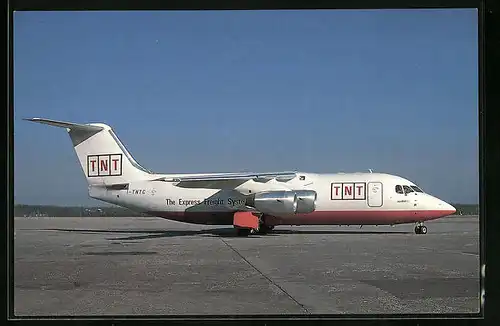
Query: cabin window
(302,178)
(407,189)
(399,189)
(416,189)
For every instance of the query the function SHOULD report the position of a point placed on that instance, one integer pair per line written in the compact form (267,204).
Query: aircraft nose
(446,208)
(450,208)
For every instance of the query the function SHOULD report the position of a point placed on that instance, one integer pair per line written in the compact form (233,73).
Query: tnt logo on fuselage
(348,191)
(104,165)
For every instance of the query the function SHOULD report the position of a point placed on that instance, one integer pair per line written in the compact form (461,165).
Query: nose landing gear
(420,228)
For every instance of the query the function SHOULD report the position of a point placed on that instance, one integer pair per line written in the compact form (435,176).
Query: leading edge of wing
(217,180)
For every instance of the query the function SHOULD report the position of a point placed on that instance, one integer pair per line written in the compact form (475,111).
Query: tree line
(81,211)
(73,211)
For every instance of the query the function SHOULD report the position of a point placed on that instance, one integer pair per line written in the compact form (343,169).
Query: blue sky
(320,91)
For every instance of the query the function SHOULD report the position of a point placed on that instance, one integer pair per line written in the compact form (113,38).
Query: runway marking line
(451,251)
(266,277)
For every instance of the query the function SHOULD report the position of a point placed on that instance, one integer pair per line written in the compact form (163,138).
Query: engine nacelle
(306,201)
(274,202)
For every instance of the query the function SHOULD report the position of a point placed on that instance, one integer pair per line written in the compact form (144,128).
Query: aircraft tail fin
(103,158)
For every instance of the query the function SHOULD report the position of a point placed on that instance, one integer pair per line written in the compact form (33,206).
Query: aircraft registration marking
(137,192)
(151,192)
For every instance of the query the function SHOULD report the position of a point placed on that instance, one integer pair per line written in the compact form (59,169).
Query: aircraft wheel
(243,232)
(420,229)
(264,229)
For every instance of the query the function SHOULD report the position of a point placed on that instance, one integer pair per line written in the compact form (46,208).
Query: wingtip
(32,119)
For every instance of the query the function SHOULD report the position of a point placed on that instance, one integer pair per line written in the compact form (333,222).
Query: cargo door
(375,194)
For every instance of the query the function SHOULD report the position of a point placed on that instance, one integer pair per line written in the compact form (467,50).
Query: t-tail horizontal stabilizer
(67,125)
(103,158)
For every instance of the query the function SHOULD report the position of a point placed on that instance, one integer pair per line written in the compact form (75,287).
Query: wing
(225,180)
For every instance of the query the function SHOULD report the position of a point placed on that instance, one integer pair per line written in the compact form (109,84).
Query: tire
(243,232)
(264,229)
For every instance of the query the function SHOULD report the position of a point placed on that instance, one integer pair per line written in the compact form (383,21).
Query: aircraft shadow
(337,232)
(229,232)
(152,234)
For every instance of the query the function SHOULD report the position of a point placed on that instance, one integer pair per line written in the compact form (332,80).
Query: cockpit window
(407,189)
(399,189)
(417,189)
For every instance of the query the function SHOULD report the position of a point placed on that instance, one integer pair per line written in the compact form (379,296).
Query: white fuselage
(351,198)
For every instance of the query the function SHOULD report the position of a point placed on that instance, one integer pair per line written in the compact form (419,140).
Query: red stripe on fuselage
(365,217)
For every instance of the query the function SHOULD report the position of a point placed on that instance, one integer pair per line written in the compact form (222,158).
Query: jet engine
(284,202)
(306,201)
(274,202)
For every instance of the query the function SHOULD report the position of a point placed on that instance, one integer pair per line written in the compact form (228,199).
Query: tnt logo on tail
(104,165)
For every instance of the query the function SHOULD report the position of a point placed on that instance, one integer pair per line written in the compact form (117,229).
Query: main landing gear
(262,228)
(420,228)
(245,232)
(265,229)
(241,232)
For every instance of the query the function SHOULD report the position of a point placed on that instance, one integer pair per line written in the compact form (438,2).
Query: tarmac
(150,266)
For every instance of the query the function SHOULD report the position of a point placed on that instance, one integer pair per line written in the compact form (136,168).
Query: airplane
(254,203)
